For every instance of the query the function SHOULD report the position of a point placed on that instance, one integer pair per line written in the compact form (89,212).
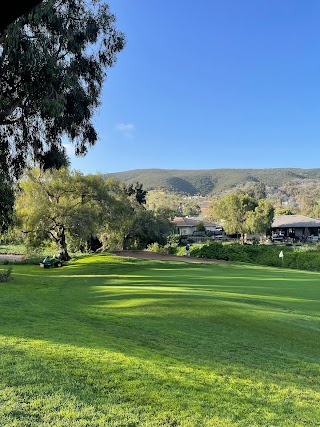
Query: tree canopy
(241,214)
(61,205)
(71,209)
(53,63)
(137,191)
(169,204)
(14,9)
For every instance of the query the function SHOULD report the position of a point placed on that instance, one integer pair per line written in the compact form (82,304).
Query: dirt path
(164,257)
(11,257)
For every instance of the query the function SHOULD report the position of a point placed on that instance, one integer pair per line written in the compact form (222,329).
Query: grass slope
(107,341)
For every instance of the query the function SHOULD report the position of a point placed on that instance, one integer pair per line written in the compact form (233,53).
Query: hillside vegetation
(213,181)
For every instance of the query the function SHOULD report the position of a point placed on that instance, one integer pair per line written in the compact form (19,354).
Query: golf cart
(51,262)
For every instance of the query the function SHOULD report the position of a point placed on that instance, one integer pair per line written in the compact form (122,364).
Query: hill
(213,181)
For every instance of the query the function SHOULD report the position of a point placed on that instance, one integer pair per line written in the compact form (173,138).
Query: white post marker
(281,256)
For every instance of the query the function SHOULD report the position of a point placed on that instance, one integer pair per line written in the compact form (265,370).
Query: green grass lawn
(118,342)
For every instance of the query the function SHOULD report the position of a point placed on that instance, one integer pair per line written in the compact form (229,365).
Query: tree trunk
(61,237)
(242,239)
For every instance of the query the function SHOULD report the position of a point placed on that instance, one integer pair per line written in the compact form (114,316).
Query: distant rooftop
(294,221)
(193,221)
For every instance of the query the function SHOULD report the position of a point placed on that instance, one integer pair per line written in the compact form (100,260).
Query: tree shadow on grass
(150,318)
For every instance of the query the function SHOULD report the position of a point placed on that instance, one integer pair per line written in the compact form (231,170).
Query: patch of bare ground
(11,257)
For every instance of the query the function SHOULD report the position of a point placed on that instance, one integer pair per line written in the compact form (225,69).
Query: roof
(287,221)
(185,222)
(180,221)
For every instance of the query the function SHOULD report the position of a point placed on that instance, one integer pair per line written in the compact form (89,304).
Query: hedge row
(295,258)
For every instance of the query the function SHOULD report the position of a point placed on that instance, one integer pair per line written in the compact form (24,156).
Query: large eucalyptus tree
(53,63)
(52,66)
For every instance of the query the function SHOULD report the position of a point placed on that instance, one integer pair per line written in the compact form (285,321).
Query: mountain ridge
(212,181)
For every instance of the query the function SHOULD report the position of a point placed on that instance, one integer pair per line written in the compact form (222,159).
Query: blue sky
(211,84)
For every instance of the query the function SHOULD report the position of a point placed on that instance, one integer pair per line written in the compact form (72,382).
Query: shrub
(171,249)
(294,257)
(155,247)
(5,275)
(173,239)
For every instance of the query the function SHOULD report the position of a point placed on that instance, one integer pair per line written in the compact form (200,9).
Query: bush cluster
(5,275)
(166,249)
(296,258)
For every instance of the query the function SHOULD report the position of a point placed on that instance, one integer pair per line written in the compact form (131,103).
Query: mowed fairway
(108,341)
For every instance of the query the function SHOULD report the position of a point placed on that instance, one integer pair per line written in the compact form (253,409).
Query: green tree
(119,218)
(129,224)
(147,227)
(232,211)
(284,211)
(200,226)
(56,158)
(137,191)
(260,220)
(53,63)
(170,204)
(59,205)
(259,191)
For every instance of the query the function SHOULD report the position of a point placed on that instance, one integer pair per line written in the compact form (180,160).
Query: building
(296,227)
(283,227)
(188,225)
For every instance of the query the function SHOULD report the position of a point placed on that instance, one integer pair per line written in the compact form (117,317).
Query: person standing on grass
(188,249)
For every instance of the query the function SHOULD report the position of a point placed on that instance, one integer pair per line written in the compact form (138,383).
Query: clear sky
(211,84)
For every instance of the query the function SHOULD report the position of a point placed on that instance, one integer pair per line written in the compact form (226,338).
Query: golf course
(125,342)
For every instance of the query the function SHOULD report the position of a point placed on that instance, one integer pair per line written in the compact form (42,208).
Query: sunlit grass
(107,341)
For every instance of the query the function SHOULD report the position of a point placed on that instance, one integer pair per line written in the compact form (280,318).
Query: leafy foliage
(232,211)
(170,204)
(55,158)
(147,227)
(78,211)
(241,214)
(5,275)
(200,226)
(294,257)
(137,191)
(57,204)
(52,66)
(260,220)
(283,211)
(256,190)
(119,218)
